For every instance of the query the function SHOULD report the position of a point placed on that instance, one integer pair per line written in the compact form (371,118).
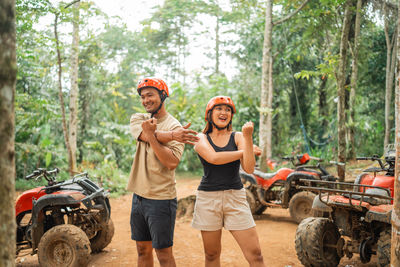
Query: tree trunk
(266,82)
(341,80)
(61,96)
(394,253)
(353,82)
(217,44)
(73,100)
(390,70)
(8,70)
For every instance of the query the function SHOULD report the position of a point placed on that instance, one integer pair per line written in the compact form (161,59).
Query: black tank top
(221,177)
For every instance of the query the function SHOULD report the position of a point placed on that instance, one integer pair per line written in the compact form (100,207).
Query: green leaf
(48,159)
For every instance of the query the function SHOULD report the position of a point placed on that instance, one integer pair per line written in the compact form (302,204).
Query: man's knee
(165,255)
(144,249)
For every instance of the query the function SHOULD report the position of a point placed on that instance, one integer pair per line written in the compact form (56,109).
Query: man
(160,142)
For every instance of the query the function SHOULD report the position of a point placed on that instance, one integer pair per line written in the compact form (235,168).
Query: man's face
(150,99)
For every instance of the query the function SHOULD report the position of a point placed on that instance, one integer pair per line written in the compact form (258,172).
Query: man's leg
(166,257)
(141,234)
(212,247)
(145,253)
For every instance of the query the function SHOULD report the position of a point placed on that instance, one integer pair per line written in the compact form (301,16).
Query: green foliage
(113,58)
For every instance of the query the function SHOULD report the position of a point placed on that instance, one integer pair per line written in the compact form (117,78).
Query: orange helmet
(220,100)
(156,83)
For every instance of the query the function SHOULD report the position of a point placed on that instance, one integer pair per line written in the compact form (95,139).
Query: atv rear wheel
(300,205)
(320,237)
(384,248)
(64,245)
(103,237)
(256,206)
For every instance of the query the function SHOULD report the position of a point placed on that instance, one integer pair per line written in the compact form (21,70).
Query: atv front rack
(356,199)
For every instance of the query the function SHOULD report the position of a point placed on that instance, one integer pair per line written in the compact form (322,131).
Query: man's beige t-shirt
(149,178)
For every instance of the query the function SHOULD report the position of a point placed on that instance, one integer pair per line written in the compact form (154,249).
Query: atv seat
(264,175)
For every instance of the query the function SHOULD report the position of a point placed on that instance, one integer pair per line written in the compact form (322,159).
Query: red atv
(353,220)
(63,222)
(279,189)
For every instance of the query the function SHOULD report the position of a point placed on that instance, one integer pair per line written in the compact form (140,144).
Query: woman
(221,198)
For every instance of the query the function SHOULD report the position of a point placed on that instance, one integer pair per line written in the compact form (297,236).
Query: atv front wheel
(301,241)
(103,237)
(64,245)
(384,248)
(300,205)
(318,238)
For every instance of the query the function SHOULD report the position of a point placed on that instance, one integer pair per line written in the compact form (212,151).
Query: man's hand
(149,127)
(247,129)
(257,150)
(185,135)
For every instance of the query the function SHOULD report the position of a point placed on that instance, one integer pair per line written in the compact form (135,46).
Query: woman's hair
(209,126)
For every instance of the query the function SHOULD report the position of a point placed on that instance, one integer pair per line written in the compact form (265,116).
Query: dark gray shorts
(153,220)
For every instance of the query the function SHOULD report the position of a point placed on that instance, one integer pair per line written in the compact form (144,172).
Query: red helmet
(156,83)
(220,100)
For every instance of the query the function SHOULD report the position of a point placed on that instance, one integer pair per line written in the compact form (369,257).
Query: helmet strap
(163,96)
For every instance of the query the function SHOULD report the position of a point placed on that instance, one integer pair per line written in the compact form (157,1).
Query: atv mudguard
(247,177)
(294,177)
(318,205)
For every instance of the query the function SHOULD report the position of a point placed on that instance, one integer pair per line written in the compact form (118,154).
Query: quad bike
(354,221)
(279,189)
(63,222)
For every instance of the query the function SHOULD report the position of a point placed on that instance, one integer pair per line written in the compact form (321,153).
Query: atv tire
(300,241)
(318,238)
(103,237)
(384,248)
(300,205)
(256,206)
(64,245)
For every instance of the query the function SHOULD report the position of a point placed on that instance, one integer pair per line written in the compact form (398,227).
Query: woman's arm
(245,143)
(207,152)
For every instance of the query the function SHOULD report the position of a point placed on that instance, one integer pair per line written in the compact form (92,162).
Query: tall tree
(391,47)
(341,81)
(353,81)
(8,70)
(73,97)
(267,88)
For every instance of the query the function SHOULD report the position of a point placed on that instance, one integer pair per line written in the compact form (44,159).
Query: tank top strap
(231,141)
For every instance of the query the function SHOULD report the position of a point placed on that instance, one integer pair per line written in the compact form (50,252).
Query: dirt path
(274,227)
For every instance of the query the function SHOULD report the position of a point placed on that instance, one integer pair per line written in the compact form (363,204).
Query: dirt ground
(275,229)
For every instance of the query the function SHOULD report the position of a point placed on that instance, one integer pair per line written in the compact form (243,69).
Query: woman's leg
(212,247)
(248,242)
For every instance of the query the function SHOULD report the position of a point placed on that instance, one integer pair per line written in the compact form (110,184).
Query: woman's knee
(255,255)
(212,254)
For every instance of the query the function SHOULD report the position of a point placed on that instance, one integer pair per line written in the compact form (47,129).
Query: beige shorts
(216,209)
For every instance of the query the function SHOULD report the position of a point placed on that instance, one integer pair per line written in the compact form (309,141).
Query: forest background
(329,63)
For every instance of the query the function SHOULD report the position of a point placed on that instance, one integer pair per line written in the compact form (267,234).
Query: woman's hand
(247,129)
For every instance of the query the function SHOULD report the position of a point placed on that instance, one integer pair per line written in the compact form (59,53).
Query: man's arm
(207,152)
(163,153)
(181,134)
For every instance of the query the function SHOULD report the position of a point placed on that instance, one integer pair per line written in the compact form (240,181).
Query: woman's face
(221,115)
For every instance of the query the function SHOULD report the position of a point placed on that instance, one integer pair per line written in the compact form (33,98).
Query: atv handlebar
(42,172)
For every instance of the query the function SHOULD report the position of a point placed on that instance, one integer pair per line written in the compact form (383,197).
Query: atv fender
(318,205)
(381,213)
(247,177)
(293,177)
(38,206)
